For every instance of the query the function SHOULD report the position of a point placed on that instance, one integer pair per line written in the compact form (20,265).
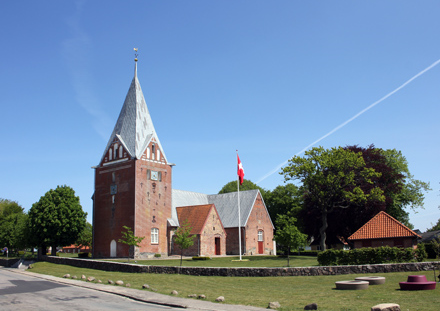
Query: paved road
(23,292)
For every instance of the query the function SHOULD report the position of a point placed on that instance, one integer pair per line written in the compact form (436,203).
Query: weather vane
(135,54)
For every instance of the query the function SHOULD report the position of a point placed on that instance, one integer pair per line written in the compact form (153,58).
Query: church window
(148,152)
(260,235)
(116,151)
(160,176)
(153,151)
(121,150)
(154,236)
(113,177)
(158,155)
(110,154)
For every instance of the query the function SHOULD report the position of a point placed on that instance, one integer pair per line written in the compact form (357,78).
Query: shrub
(201,258)
(157,255)
(83,255)
(369,255)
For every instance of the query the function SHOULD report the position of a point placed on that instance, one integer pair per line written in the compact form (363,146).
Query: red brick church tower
(132,184)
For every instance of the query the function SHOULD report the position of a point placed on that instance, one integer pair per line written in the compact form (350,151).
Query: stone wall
(255,272)
(8,262)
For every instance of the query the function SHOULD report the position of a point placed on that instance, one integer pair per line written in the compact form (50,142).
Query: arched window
(113,248)
(116,151)
(158,155)
(148,152)
(154,236)
(110,154)
(153,150)
(121,150)
(260,236)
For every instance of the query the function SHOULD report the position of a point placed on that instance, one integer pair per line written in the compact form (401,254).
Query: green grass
(293,293)
(252,261)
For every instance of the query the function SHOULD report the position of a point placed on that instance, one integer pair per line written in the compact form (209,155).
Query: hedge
(369,255)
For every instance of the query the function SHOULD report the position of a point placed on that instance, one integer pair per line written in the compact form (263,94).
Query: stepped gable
(383,226)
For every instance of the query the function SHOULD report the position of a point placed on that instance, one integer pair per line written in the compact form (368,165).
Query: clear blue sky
(268,78)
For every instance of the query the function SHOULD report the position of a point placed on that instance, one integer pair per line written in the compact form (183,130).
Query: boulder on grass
(66,276)
(274,305)
(201,297)
(119,282)
(111,282)
(220,299)
(386,307)
(192,296)
(174,292)
(146,286)
(90,279)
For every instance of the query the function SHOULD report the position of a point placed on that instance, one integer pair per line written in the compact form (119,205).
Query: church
(133,188)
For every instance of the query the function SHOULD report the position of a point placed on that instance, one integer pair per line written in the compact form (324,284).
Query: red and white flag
(240,170)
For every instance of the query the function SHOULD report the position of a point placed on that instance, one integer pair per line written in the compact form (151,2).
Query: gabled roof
(134,127)
(195,215)
(383,226)
(226,205)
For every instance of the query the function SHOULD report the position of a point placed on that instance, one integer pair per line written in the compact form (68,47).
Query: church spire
(134,128)
(135,61)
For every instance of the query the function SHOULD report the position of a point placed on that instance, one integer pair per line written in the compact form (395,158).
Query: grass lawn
(293,293)
(253,261)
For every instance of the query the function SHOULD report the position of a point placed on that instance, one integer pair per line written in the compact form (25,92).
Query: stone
(110,282)
(175,293)
(311,306)
(83,277)
(386,307)
(74,277)
(146,286)
(201,297)
(66,276)
(154,289)
(274,305)
(220,299)
(192,296)
(119,282)
(128,285)
(99,281)
(91,279)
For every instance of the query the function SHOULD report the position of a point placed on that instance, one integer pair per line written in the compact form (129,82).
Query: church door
(113,248)
(260,242)
(217,246)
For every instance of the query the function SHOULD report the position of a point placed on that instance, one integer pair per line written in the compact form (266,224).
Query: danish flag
(240,170)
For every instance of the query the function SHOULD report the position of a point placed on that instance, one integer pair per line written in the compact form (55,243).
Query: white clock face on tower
(154,175)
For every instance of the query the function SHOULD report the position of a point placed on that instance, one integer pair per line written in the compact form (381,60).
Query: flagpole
(238,203)
(239,222)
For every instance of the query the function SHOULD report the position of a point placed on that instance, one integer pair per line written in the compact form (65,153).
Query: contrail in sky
(352,118)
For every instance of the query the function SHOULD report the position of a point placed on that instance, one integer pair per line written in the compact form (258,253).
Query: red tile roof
(73,246)
(195,215)
(382,226)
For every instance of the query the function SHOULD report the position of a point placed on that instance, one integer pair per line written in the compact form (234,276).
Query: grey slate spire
(134,128)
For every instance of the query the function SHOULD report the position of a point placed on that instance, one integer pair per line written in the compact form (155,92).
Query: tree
(12,225)
(57,219)
(130,239)
(247,185)
(288,235)
(85,237)
(284,199)
(183,238)
(330,181)
(435,227)
(412,190)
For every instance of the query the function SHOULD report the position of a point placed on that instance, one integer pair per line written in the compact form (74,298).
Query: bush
(201,258)
(157,255)
(369,255)
(430,250)
(84,255)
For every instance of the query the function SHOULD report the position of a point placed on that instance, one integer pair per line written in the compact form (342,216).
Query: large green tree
(331,180)
(85,237)
(57,219)
(12,225)
(283,200)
